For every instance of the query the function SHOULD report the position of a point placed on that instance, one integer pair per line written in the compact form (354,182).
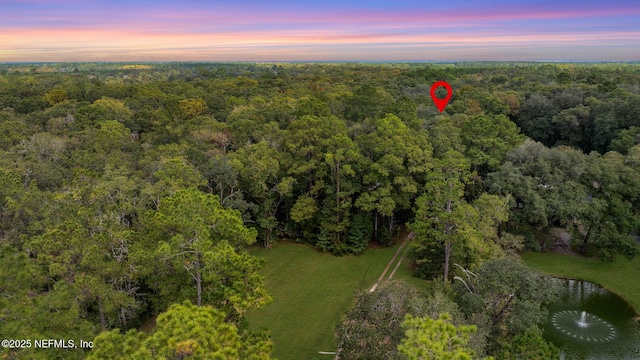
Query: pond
(590,322)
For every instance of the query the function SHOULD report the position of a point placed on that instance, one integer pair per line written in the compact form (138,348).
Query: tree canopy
(126,189)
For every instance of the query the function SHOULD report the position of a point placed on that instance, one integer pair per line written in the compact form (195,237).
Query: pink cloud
(217,34)
(132,40)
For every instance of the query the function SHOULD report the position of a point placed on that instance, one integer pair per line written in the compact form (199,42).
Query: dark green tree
(426,338)
(443,218)
(192,239)
(184,331)
(505,297)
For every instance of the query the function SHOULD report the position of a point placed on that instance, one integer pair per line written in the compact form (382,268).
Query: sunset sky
(245,30)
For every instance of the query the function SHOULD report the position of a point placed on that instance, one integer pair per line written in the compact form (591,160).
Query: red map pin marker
(441,103)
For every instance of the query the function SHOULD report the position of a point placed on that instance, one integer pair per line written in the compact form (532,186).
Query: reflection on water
(590,322)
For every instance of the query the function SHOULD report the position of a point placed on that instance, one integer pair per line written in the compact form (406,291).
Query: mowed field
(621,276)
(311,291)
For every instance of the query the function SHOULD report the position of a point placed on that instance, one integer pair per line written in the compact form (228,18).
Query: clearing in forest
(311,291)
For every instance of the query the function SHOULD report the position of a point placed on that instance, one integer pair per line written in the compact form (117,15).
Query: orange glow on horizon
(71,45)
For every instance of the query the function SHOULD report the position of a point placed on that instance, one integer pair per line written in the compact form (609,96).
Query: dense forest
(129,194)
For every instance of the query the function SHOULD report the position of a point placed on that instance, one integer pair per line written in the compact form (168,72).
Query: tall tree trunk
(583,248)
(375,225)
(267,238)
(447,254)
(447,243)
(122,316)
(103,320)
(198,279)
(199,286)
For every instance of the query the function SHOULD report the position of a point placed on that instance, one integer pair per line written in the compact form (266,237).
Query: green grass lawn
(311,291)
(621,276)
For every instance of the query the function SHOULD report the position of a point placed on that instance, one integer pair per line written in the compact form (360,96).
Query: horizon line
(310,61)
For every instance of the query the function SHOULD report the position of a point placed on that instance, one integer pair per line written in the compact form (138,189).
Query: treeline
(105,167)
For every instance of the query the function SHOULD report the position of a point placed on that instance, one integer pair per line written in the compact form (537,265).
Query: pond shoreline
(631,305)
(609,275)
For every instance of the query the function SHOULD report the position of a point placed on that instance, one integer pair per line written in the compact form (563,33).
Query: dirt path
(409,237)
(404,254)
(406,240)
